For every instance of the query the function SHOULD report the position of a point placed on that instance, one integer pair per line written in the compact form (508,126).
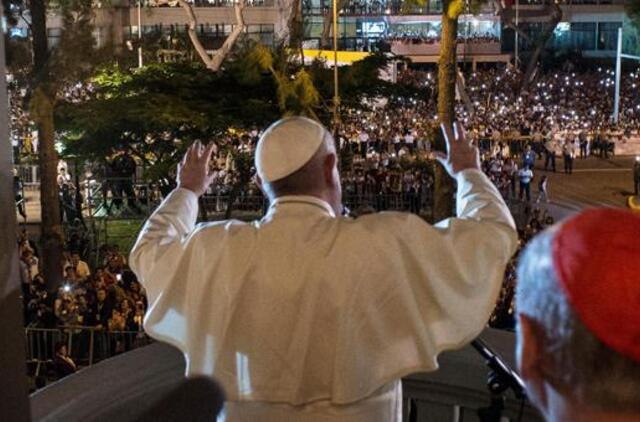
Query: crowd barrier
(85,345)
(401,48)
(146,199)
(257,204)
(208,3)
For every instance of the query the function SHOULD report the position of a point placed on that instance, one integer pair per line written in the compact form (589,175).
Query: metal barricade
(85,345)
(119,198)
(216,205)
(40,343)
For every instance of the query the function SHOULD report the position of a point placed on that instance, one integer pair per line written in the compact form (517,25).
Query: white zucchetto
(286,146)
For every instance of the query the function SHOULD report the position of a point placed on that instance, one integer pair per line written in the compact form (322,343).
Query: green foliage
(295,89)
(631,34)
(243,162)
(475,6)
(358,81)
(633,11)
(155,112)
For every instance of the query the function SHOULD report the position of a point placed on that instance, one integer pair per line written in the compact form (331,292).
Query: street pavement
(595,182)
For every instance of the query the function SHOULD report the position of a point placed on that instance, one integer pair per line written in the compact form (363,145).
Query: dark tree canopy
(153,113)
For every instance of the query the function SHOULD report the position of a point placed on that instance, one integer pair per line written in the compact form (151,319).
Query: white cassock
(305,316)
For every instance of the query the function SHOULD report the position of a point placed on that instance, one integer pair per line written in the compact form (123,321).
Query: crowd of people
(106,298)
(431,37)
(503,315)
(389,145)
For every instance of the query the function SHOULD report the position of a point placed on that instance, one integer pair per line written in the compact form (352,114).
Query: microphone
(504,377)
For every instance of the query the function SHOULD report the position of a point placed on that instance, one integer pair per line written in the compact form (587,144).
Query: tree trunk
(214,63)
(556,17)
(447,70)
(325,38)
(289,26)
(39,30)
(507,16)
(51,234)
(51,240)
(296,29)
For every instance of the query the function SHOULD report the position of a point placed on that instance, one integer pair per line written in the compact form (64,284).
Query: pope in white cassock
(306,315)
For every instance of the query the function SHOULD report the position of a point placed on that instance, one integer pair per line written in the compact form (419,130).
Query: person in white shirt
(542,189)
(409,140)
(525,175)
(82,268)
(289,314)
(569,154)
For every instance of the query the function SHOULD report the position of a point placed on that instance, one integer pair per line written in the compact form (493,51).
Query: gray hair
(580,364)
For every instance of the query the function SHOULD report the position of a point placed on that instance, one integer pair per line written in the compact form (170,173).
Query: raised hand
(461,154)
(193,170)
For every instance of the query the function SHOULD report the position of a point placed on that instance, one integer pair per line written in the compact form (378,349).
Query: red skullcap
(596,255)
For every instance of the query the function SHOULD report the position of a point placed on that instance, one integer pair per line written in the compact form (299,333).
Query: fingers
(459,131)
(186,155)
(194,151)
(209,180)
(200,150)
(447,134)
(206,155)
(440,156)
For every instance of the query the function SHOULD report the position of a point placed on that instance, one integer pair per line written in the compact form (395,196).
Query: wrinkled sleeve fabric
(480,241)
(161,259)
(466,261)
(437,291)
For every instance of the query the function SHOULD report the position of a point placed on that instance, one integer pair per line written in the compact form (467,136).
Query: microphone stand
(501,378)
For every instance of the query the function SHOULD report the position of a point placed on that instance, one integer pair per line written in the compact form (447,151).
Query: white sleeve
(160,258)
(461,263)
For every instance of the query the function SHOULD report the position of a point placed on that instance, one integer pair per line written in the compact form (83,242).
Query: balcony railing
(204,3)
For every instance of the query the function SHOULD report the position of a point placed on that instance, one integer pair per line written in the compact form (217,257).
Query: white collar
(303,199)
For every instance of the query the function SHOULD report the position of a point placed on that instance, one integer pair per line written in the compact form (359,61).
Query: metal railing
(214,205)
(205,3)
(29,174)
(85,345)
(115,195)
(102,202)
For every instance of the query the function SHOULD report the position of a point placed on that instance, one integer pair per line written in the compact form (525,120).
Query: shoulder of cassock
(383,295)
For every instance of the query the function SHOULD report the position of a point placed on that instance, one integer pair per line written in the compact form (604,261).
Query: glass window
(583,35)
(608,35)
(53,36)
(435,6)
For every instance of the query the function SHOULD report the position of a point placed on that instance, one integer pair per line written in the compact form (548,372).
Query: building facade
(588,27)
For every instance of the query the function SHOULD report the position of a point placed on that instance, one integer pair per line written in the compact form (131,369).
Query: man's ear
(531,357)
(258,181)
(329,168)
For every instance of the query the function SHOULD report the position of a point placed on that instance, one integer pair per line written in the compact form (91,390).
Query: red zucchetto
(596,256)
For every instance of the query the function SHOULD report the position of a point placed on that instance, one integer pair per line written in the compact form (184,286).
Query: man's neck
(313,196)
(562,409)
